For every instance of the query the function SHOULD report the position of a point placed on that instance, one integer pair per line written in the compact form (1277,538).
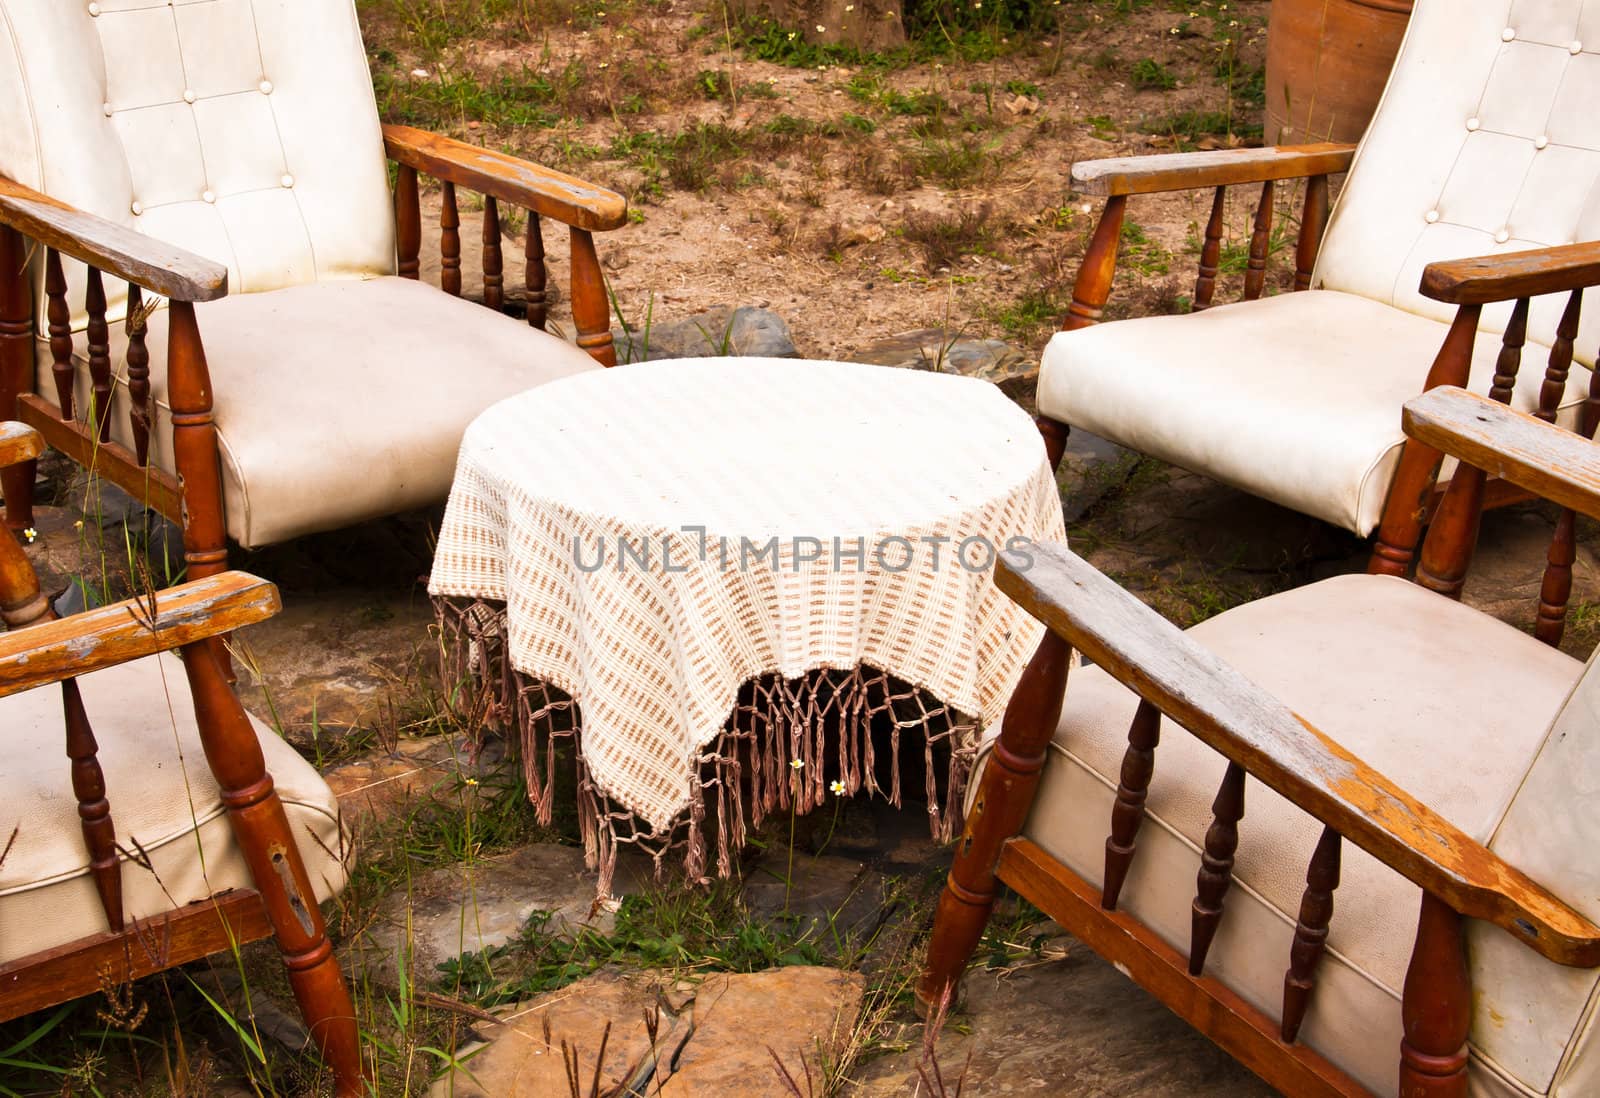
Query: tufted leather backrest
(1487,140)
(243,130)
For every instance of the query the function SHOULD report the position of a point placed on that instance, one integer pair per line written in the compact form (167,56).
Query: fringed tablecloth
(714,575)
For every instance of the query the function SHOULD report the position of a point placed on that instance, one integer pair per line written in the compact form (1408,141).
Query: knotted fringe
(746,774)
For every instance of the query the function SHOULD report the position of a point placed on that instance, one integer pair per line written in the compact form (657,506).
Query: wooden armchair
(145,819)
(1329,758)
(186,149)
(1484,143)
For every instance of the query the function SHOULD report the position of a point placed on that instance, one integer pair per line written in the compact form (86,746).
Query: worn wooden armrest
(1551,462)
(18,443)
(1243,722)
(127,630)
(520,182)
(130,256)
(1223,167)
(1482,279)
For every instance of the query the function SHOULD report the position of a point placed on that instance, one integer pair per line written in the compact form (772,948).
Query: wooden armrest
(18,443)
(1486,278)
(1183,171)
(1549,461)
(123,631)
(520,182)
(1243,722)
(130,256)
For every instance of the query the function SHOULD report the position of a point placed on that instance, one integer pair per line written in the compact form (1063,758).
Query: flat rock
(1073,1026)
(1016,372)
(743,1019)
(838,901)
(522,1054)
(1091,467)
(468,908)
(747,331)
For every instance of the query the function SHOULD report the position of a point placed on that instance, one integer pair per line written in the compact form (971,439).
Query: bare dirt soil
(858,198)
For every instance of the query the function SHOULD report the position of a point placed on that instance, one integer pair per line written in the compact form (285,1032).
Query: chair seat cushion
(1452,706)
(1295,398)
(338,401)
(163,799)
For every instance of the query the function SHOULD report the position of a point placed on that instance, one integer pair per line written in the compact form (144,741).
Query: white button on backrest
(1472,123)
(107,108)
(1541,141)
(1501,237)
(94,9)
(1508,34)
(1431,216)
(266,87)
(1574,47)
(188,96)
(208,197)
(137,209)
(287,180)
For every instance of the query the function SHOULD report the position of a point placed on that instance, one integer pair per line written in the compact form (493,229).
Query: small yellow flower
(472,781)
(30,533)
(797,764)
(821,29)
(836,788)
(78,524)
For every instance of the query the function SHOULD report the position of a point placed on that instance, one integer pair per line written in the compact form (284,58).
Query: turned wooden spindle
(16,367)
(194,445)
(1054,433)
(1313,221)
(1138,764)
(94,811)
(1005,794)
(140,414)
(1436,1006)
(450,243)
(1216,866)
(1453,534)
(407,222)
(1255,272)
(59,316)
(1093,287)
(591,314)
(21,602)
(1555,589)
(1310,933)
(1554,386)
(261,830)
(493,278)
(1205,284)
(99,334)
(533,252)
(1411,490)
(1509,359)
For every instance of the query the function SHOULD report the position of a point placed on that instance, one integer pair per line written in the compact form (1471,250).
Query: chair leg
(1093,286)
(998,811)
(1436,1007)
(261,828)
(1055,438)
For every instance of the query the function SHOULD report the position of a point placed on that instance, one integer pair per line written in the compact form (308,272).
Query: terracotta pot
(1327,63)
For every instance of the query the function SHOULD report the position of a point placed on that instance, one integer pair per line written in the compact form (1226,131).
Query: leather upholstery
(1391,672)
(242,130)
(338,401)
(1486,141)
(163,797)
(1295,398)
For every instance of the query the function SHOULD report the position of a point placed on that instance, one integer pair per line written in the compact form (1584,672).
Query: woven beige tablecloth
(649,539)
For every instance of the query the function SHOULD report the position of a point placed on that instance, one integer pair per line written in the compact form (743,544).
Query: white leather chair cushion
(1486,141)
(243,130)
(1449,703)
(162,795)
(1295,398)
(339,401)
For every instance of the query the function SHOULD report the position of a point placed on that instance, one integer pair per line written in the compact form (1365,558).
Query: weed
(945,239)
(1150,74)
(959,162)
(1141,253)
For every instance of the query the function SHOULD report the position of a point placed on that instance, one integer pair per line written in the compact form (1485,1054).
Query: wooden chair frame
(37,651)
(1468,284)
(193,497)
(1173,675)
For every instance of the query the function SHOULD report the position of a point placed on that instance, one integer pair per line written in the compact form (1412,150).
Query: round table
(716,574)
